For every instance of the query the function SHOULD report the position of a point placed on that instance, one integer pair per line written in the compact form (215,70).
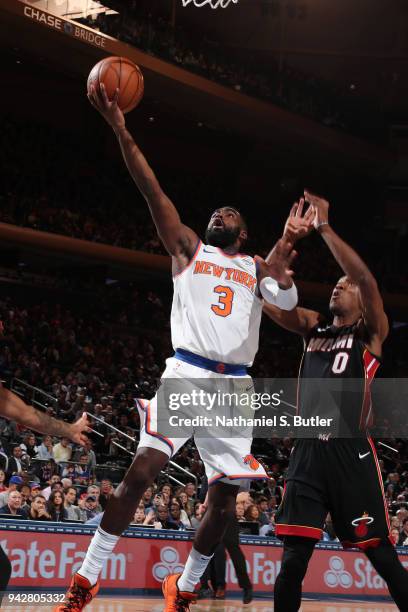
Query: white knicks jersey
(216,313)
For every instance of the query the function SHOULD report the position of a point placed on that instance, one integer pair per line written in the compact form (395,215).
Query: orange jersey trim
(238,476)
(154,434)
(190,263)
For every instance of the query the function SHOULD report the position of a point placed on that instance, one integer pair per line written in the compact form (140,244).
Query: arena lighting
(72,9)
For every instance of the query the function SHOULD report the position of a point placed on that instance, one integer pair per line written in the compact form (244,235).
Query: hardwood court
(135,604)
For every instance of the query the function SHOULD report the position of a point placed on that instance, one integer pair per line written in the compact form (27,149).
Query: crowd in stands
(267,78)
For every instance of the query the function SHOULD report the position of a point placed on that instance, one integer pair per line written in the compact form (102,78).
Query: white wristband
(269,289)
(285,299)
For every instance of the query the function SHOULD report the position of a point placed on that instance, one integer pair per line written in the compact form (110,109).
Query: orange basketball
(119,73)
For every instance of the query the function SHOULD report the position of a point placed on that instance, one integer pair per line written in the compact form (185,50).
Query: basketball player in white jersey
(215,322)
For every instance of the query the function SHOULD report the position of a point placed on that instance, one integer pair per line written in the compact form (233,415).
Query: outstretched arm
(13,408)
(374,317)
(298,225)
(179,240)
(299,320)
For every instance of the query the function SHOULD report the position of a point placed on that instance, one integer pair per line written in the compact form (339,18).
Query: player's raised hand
(320,209)
(109,109)
(278,264)
(77,431)
(299,223)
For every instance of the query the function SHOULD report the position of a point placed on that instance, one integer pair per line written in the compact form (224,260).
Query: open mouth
(218,223)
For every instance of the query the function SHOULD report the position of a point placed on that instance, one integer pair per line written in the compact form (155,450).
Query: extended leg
(288,586)
(231,542)
(385,560)
(221,511)
(121,508)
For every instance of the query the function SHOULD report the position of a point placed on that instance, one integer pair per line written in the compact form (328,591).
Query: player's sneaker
(79,595)
(175,600)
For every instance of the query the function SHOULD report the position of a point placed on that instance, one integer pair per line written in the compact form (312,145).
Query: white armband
(285,299)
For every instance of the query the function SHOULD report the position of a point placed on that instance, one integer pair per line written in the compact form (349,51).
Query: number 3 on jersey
(224,306)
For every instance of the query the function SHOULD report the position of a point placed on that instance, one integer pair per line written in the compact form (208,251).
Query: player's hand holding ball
(115,87)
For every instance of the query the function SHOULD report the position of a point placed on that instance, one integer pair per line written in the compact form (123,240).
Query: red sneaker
(79,595)
(175,600)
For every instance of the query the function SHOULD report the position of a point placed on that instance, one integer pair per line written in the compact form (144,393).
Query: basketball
(119,73)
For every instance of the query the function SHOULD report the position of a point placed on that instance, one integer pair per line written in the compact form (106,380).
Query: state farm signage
(49,560)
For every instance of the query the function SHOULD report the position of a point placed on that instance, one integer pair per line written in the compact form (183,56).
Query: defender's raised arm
(357,272)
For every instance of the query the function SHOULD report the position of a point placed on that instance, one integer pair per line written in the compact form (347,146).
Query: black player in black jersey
(338,474)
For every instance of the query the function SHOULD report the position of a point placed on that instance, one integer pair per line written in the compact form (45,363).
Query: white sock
(194,568)
(99,550)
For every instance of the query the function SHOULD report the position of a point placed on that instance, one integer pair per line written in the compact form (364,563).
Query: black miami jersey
(338,473)
(335,376)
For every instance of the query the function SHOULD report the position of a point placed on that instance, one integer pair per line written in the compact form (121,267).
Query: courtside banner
(44,560)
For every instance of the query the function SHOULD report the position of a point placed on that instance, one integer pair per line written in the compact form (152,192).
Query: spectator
(244,498)
(403,536)
(198,513)
(175,516)
(2,479)
(165,492)
(147,498)
(140,515)
(62,451)
(55,482)
(13,505)
(152,518)
(35,488)
(25,491)
(45,450)
(106,492)
(87,450)
(164,519)
(14,482)
(3,458)
(47,470)
(88,503)
(240,512)
(15,461)
(263,511)
(252,514)
(96,492)
(269,529)
(70,472)
(37,510)
(190,490)
(91,454)
(394,536)
(82,470)
(73,511)
(186,506)
(29,446)
(55,506)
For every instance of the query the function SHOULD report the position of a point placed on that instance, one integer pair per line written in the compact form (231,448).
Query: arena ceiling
(361,44)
